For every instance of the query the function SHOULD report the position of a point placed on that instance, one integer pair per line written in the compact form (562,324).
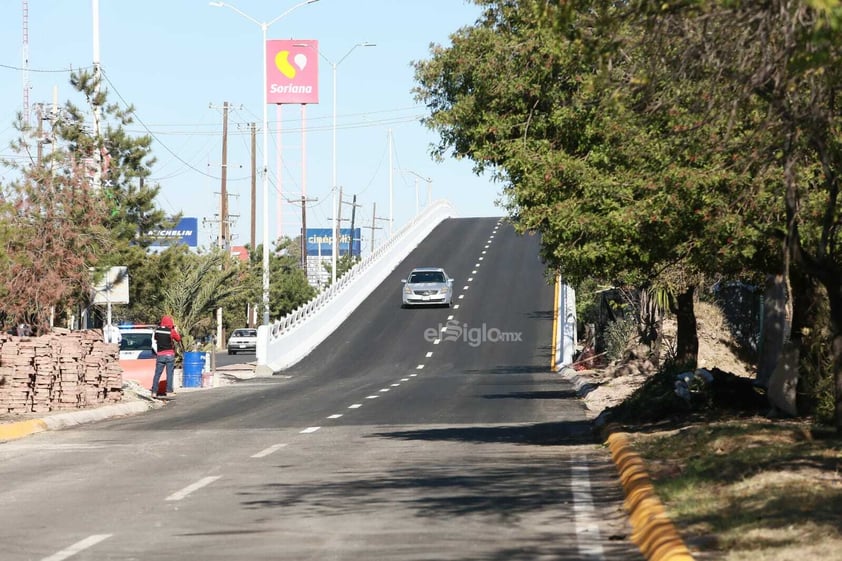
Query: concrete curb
(652,530)
(21,429)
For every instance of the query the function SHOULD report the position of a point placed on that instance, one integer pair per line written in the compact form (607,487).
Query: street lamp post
(336,226)
(421,177)
(264,27)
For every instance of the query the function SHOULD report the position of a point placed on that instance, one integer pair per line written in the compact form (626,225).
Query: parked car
(137,353)
(137,341)
(427,286)
(242,340)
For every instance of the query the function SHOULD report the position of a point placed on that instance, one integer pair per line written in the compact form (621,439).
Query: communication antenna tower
(25,66)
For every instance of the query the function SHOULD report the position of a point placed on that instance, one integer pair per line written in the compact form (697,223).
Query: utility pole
(337,230)
(253,186)
(39,112)
(303,245)
(353,206)
(224,239)
(373,227)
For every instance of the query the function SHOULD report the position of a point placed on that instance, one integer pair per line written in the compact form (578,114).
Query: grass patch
(750,488)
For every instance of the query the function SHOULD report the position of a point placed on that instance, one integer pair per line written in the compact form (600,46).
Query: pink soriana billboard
(292,71)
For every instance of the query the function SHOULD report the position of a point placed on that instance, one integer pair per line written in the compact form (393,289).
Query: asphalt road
(419,434)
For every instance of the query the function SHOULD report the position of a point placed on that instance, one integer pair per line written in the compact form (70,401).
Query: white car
(242,340)
(427,286)
(137,342)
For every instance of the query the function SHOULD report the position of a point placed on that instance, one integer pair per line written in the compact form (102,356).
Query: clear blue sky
(178,61)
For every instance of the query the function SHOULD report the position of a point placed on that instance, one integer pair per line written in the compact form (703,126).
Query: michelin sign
(186,232)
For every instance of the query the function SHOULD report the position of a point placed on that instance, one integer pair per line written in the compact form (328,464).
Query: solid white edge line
(587,526)
(270,450)
(77,547)
(178,495)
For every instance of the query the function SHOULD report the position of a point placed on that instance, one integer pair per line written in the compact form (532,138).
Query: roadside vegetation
(667,152)
(80,203)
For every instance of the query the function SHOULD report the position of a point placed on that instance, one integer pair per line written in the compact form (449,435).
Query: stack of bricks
(59,371)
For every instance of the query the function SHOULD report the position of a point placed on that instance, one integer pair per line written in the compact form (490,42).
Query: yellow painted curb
(13,431)
(652,530)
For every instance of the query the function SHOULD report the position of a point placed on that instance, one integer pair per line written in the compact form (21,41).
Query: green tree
(126,160)
(540,95)
(781,57)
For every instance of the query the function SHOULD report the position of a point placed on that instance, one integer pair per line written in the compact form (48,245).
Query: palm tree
(198,286)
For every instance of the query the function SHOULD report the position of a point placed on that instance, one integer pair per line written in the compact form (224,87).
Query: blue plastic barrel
(194,363)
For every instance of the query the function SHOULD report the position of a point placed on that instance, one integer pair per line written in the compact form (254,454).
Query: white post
(391,197)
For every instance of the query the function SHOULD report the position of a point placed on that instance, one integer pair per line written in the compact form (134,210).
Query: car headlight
(407,290)
(444,290)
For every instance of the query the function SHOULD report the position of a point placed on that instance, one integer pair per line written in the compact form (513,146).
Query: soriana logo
(292,71)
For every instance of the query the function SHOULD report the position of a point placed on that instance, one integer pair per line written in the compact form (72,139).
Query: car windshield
(245,333)
(426,276)
(136,342)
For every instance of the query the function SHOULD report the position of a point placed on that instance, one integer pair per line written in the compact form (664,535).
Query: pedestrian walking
(166,337)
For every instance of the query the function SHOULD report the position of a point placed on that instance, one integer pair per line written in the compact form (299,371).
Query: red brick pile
(59,371)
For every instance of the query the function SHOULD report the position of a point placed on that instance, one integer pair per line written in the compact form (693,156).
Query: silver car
(242,340)
(427,286)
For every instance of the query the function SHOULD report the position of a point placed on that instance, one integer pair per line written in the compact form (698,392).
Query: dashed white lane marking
(455,306)
(309,430)
(466,287)
(429,354)
(383,390)
(474,272)
(477,265)
(437,341)
(484,252)
(372,396)
(450,317)
(404,379)
(461,296)
(481,258)
(335,416)
(178,495)
(443,328)
(587,526)
(77,547)
(470,279)
(355,406)
(419,367)
(413,375)
(266,451)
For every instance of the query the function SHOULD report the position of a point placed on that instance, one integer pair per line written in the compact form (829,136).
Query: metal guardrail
(399,245)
